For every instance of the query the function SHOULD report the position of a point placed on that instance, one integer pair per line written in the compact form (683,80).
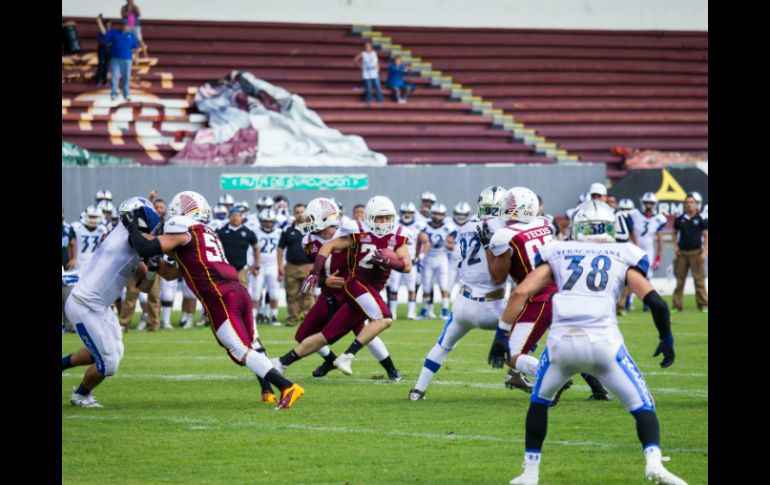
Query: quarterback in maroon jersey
(200,259)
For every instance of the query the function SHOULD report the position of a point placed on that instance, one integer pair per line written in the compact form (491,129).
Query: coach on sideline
(691,241)
(236,240)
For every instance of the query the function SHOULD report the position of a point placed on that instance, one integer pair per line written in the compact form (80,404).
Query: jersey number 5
(216,255)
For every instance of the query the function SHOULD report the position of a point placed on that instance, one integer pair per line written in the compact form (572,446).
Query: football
(390,253)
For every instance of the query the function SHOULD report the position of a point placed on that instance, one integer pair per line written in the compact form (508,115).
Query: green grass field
(179,411)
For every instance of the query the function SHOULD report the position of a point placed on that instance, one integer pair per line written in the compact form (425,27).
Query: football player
(461,215)
(267,277)
(320,221)
(480,300)
(99,285)
(435,265)
(202,263)
(227,201)
(648,227)
(220,217)
(589,272)
(427,199)
(89,233)
(107,208)
(412,229)
(370,246)
(103,195)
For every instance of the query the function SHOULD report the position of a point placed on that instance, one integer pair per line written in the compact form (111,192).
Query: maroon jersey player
(320,222)
(201,261)
(513,250)
(369,265)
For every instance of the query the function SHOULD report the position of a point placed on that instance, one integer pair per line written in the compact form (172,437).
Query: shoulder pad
(179,224)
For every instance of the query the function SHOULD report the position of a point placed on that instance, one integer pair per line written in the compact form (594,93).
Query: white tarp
(290,134)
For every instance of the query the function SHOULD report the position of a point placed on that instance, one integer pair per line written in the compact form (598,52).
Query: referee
(691,238)
(236,239)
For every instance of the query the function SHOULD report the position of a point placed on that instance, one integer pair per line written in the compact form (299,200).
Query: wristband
(504,326)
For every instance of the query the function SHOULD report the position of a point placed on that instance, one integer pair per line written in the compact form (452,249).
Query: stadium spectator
(103,51)
(690,236)
(121,43)
(358,212)
(130,13)
(370,71)
(298,266)
(236,239)
(396,83)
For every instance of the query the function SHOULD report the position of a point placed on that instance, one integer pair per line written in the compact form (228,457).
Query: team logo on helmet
(190,206)
(328,210)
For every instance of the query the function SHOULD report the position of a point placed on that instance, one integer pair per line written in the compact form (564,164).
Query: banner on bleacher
(294,181)
(670,186)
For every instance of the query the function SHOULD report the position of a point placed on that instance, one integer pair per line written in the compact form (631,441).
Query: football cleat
(323,369)
(656,473)
(416,395)
(289,396)
(394,376)
(343,363)
(431,315)
(530,475)
(88,401)
(517,380)
(142,323)
(268,397)
(274,321)
(278,366)
(186,324)
(566,386)
(411,316)
(166,326)
(445,313)
(604,396)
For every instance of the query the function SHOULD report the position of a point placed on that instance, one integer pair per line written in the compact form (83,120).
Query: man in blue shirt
(122,44)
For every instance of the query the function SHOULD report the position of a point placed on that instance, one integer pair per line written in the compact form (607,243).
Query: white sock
(532,457)
(410,306)
(436,356)
(186,316)
(652,454)
(378,349)
(324,351)
(393,304)
(165,312)
(254,311)
(527,364)
(274,312)
(258,363)
(445,303)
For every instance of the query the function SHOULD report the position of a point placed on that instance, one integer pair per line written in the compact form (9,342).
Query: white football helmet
(625,204)
(379,205)
(103,194)
(521,205)
(698,199)
(267,219)
(265,202)
(319,214)
(226,200)
(93,217)
(243,206)
(190,204)
(491,202)
(106,207)
(428,196)
(461,213)
(649,198)
(220,212)
(594,221)
(437,212)
(407,210)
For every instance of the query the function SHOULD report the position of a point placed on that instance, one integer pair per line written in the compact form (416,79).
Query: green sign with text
(294,181)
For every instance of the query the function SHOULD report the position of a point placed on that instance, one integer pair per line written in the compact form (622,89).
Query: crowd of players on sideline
(432,245)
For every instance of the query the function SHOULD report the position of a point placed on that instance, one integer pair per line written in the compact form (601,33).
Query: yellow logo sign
(670,188)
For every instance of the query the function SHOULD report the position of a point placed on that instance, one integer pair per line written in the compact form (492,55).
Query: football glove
(499,353)
(666,347)
(484,233)
(153,262)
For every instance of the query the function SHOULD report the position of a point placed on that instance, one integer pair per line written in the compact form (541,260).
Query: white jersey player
(268,236)
(411,228)
(589,273)
(480,301)
(89,233)
(461,216)
(220,217)
(427,199)
(99,285)
(648,226)
(435,265)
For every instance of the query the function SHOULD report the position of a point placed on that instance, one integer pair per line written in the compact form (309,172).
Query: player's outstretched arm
(660,314)
(499,353)
(314,278)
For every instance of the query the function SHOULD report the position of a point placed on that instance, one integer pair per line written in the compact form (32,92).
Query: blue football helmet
(146,218)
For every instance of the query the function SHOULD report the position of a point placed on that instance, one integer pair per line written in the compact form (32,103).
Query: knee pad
(109,364)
